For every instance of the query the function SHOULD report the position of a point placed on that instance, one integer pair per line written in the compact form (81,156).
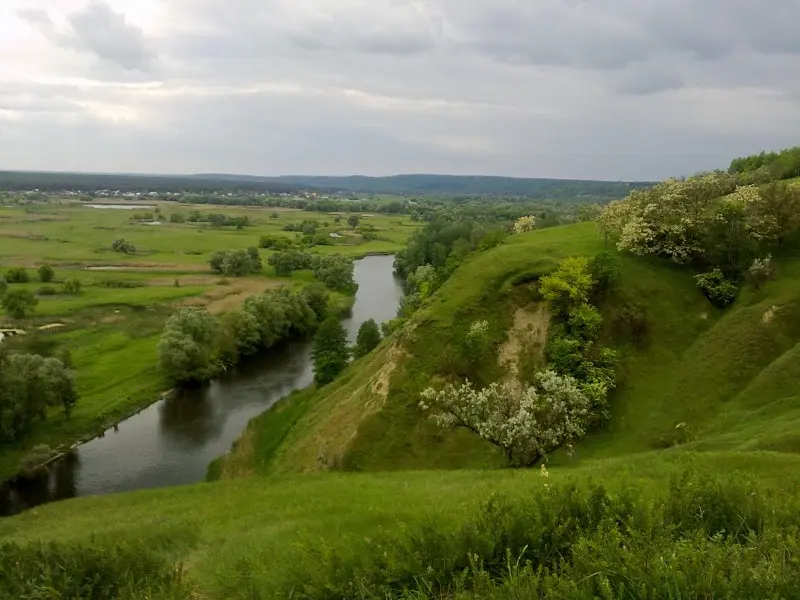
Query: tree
(525,224)
(353,221)
(368,338)
(19,303)
(236,263)
(46,273)
(123,246)
(716,288)
(331,354)
(187,351)
(336,272)
(476,342)
(317,298)
(29,385)
(568,286)
(526,426)
(17,275)
(72,286)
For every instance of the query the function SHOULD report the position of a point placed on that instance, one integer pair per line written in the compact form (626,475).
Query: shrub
(275,242)
(111,282)
(606,268)
(3,285)
(525,224)
(17,275)
(716,288)
(123,246)
(236,263)
(18,303)
(762,270)
(568,285)
(46,273)
(46,290)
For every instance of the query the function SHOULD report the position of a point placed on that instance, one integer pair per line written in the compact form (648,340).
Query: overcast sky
(607,89)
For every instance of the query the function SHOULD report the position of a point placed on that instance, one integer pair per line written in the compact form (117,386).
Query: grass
(112,332)
(251,536)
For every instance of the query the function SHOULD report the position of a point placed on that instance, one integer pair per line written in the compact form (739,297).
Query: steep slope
(701,377)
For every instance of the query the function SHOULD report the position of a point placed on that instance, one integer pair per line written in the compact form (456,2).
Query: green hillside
(697,464)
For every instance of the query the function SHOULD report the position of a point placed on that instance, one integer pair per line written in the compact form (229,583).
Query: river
(173,441)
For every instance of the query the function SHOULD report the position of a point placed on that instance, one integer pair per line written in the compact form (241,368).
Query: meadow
(112,327)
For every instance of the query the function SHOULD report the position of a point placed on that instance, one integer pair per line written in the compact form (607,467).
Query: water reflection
(173,441)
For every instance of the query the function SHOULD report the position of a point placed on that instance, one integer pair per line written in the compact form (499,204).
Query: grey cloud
(100,31)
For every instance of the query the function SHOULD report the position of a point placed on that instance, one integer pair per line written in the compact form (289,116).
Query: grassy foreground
(112,327)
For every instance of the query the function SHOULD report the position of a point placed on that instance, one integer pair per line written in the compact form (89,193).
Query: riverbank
(173,440)
(142,386)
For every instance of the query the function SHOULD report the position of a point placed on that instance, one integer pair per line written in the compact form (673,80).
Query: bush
(17,275)
(236,263)
(606,269)
(331,354)
(123,246)
(18,303)
(275,242)
(72,286)
(716,288)
(46,290)
(3,286)
(762,270)
(111,282)
(46,273)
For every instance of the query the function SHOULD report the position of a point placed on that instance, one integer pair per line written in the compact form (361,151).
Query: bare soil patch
(222,298)
(529,332)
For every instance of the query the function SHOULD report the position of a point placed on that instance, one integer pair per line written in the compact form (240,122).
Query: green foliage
(72,286)
(18,304)
(331,354)
(288,261)
(629,323)
(568,286)
(17,275)
(368,338)
(585,322)
(476,345)
(123,246)
(29,385)
(768,166)
(236,263)
(46,273)
(716,288)
(187,351)
(336,272)
(318,300)
(46,290)
(606,269)
(3,285)
(274,242)
(94,570)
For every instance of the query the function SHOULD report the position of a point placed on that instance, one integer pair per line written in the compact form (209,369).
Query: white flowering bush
(525,224)
(550,414)
(762,269)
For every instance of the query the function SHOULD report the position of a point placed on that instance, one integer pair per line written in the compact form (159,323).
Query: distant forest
(407,185)
(431,185)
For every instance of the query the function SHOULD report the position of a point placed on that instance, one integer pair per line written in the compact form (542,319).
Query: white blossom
(551,413)
(525,224)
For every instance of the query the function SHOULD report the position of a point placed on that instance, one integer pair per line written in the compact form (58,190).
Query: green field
(112,332)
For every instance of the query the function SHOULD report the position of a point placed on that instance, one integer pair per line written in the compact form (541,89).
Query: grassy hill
(705,391)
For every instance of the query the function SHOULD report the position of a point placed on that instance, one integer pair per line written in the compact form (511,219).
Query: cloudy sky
(611,89)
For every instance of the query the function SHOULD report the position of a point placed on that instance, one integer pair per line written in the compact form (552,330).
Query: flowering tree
(550,414)
(525,224)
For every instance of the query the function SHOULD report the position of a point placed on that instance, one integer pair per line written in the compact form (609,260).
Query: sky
(589,89)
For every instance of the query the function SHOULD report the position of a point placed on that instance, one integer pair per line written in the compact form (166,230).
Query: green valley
(641,439)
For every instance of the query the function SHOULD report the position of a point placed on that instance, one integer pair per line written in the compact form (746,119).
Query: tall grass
(705,537)
(100,569)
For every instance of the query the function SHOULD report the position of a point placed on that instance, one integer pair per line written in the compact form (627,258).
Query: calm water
(121,206)
(173,441)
